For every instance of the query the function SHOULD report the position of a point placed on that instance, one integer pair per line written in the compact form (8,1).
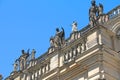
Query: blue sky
(30,23)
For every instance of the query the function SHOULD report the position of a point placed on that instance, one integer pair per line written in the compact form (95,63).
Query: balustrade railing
(114,13)
(73,52)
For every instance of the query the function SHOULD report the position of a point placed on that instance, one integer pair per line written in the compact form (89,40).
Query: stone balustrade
(114,13)
(73,52)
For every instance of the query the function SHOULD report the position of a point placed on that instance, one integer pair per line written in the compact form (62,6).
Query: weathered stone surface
(92,53)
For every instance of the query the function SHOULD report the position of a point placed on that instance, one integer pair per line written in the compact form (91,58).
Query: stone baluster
(45,68)
(33,75)
(74,52)
(66,56)
(36,75)
(39,71)
(42,69)
(29,76)
(80,48)
(48,66)
(25,76)
(85,46)
(70,53)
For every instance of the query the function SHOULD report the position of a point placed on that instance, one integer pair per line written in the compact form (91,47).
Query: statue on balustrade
(100,10)
(96,14)
(74,26)
(52,41)
(15,66)
(101,16)
(21,64)
(93,12)
(33,54)
(23,59)
(59,38)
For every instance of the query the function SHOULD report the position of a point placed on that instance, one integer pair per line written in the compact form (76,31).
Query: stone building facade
(92,53)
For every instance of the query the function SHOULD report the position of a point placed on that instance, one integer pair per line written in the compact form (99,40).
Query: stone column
(80,48)
(85,46)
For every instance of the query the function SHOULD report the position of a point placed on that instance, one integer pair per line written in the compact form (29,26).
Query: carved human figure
(62,36)
(24,58)
(25,63)
(101,16)
(52,41)
(100,10)
(93,13)
(21,64)
(59,38)
(33,54)
(74,26)
(15,66)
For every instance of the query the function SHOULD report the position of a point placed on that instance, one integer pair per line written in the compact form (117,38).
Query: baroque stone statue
(21,64)
(15,66)
(58,39)
(23,59)
(96,14)
(33,54)
(93,13)
(100,10)
(52,41)
(74,26)
(101,16)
